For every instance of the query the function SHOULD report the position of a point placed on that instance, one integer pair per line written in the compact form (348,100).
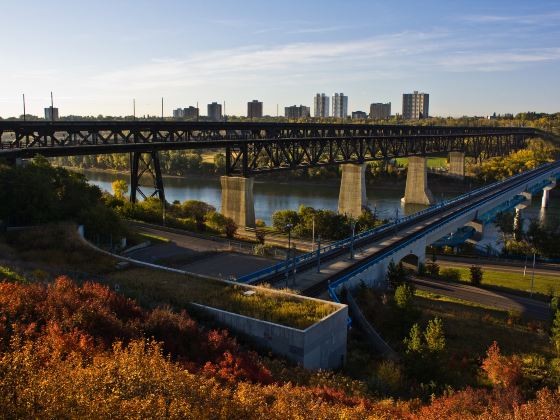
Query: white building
(340,105)
(321,105)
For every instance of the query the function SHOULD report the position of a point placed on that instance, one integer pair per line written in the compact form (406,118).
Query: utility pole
(52,107)
(24,107)
(319,254)
(289,227)
(313,235)
(533,275)
(353,226)
(134,109)
(197,111)
(162,107)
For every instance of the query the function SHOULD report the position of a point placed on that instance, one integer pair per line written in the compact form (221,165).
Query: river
(272,196)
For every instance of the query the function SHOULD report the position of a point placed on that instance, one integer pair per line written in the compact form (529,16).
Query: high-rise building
(51,114)
(340,105)
(379,111)
(359,115)
(254,109)
(295,111)
(190,112)
(215,111)
(320,105)
(415,105)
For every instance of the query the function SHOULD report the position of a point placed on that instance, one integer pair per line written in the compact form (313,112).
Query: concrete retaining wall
(320,346)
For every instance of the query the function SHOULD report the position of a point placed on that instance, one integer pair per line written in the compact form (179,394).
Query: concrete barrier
(320,346)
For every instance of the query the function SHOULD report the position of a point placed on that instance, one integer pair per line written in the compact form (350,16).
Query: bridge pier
(352,197)
(546,194)
(139,165)
(457,164)
(237,200)
(417,191)
(478,229)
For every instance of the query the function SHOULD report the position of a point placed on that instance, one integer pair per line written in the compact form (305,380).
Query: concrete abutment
(237,200)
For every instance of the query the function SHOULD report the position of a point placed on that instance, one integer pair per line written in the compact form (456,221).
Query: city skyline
(475,58)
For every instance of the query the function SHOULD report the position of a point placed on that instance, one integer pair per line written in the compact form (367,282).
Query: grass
(441,298)
(433,162)
(508,281)
(471,330)
(57,249)
(154,288)
(154,238)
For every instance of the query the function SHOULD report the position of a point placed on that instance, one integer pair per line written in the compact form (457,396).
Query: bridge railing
(333,286)
(345,243)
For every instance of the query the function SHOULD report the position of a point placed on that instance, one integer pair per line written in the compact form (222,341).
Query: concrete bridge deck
(416,232)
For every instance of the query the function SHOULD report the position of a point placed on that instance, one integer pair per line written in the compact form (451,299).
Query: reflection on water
(269,196)
(272,196)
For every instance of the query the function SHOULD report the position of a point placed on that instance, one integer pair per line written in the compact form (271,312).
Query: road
(530,308)
(507,266)
(197,255)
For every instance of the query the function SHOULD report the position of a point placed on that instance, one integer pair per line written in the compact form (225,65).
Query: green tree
(555,332)
(404,296)
(435,335)
(476,275)
(396,274)
(414,342)
(281,218)
(196,210)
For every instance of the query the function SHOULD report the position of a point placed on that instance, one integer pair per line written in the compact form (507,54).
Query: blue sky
(473,57)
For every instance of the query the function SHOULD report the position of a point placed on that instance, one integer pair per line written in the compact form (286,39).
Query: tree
(120,188)
(281,218)
(432,269)
(260,236)
(501,370)
(504,222)
(396,274)
(476,275)
(231,227)
(196,210)
(555,332)
(435,335)
(414,342)
(404,295)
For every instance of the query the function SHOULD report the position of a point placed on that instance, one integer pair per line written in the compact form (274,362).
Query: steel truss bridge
(252,148)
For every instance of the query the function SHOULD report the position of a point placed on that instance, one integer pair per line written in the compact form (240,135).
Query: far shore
(440,184)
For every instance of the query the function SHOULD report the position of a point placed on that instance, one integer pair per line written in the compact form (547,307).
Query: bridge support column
(237,200)
(145,163)
(517,222)
(546,194)
(457,164)
(352,197)
(417,191)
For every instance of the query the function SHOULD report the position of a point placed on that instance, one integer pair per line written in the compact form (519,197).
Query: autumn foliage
(71,351)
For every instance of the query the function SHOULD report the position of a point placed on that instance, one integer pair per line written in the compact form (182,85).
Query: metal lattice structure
(253,148)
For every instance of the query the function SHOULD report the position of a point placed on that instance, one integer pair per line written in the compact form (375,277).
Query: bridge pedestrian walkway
(309,277)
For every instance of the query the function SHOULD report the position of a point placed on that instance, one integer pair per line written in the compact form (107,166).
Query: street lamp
(289,227)
(318,253)
(353,226)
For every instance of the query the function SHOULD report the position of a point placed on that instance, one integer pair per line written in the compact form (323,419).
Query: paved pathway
(528,307)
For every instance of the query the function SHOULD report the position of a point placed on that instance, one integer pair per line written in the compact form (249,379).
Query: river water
(271,196)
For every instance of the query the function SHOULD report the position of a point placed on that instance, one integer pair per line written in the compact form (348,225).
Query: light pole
(353,226)
(319,254)
(533,274)
(313,234)
(289,227)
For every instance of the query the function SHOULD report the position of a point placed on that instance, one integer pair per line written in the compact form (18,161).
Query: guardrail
(332,287)
(345,243)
